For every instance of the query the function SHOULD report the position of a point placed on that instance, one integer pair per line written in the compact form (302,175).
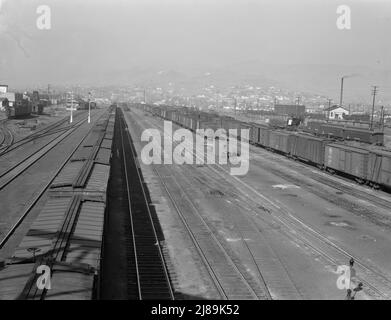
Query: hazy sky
(91,39)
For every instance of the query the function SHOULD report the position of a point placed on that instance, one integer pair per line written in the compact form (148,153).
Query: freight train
(85,105)
(344,132)
(364,162)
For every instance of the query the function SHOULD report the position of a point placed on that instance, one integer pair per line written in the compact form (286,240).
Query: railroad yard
(79,199)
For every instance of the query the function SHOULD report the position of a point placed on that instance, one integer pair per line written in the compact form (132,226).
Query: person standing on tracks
(351,294)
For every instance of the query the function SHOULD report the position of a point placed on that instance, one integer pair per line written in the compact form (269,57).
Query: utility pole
(89,107)
(49,98)
(71,120)
(328,109)
(145,96)
(341,95)
(374,92)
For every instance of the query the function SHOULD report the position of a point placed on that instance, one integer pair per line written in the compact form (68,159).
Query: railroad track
(148,263)
(225,269)
(272,273)
(47,131)
(337,192)
(375,282)
(13,172)
(2,135)
(271,269)
(341,184)
(7,137)
(229,276)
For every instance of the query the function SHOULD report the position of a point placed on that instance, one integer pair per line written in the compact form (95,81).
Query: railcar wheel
(331,171)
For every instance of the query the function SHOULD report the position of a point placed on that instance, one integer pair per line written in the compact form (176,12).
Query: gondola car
(363,135)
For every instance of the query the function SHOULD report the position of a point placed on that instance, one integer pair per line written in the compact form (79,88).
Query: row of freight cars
(321,128)
(365,163)
(85,105)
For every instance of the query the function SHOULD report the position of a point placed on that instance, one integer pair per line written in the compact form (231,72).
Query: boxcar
(279,141)
(330,130)
(348,158)
(308,148)
(313,127)
(214,125)
(264,136)
(254,138)
(364,135)
(250,128)
(19,111)
(230,124)
(379,167)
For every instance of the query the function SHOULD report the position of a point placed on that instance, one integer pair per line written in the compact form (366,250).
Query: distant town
(240,98)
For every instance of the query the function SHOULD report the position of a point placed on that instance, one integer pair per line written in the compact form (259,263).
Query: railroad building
(3,88)
(19,105)
(336,112)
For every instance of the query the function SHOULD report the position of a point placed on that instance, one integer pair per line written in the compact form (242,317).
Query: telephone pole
(328,109)
(341,94)
(89,107)
(374,92)
(382,118)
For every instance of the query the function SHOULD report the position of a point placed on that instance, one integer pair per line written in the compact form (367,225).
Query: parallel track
(6,135)
(225,269)
(12,173)
(344,185)
(375,282)
(49,130)
(150,269)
